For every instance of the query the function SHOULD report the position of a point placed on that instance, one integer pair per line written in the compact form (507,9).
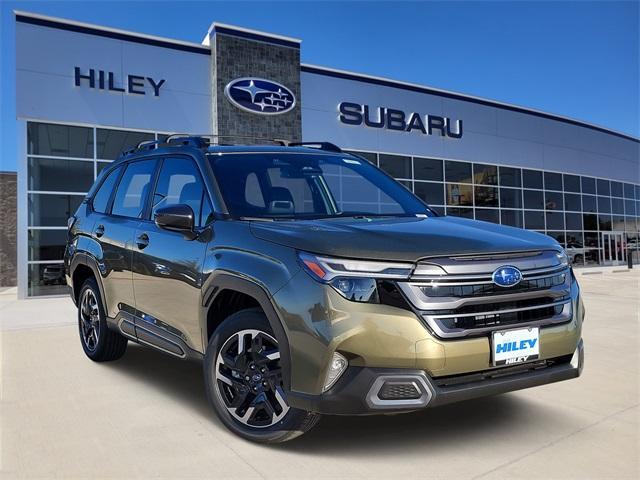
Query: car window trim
(148,207)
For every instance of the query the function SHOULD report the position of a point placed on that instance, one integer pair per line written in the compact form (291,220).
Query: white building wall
(491,134)
(45,82)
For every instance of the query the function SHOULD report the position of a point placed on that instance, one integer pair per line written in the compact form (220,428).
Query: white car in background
(576,252)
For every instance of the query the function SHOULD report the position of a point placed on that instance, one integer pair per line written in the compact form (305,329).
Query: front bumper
(357,391)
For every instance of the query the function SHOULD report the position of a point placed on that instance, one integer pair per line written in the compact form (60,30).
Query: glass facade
(62,164)
(596,220)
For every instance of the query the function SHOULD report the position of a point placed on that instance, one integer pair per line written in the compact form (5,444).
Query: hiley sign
(392,119)
(102,80)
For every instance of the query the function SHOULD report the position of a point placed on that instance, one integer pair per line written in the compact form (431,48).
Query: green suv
(310,282)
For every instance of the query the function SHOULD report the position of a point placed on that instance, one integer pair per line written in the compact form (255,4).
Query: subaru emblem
(257,95)
(507,276)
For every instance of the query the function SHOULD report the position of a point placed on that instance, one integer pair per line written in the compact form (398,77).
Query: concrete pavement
(146,416)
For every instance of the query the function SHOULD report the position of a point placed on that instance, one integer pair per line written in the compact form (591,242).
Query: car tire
(243,381)
(99,343)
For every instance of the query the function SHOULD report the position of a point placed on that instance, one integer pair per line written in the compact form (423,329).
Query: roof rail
(208,139)
(198,141)
(204,141)
(144,145)
(148,145)
(330,147)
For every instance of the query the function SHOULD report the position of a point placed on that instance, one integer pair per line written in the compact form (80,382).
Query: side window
(102,196)
(133,189)
(179,183)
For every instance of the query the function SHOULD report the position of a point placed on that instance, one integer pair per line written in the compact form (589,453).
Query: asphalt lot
(146,415)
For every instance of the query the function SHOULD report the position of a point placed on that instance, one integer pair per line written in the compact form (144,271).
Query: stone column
(238,53)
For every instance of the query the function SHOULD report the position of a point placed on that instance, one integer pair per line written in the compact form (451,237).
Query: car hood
(400,238)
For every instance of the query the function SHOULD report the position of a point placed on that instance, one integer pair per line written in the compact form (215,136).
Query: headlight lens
(325,269)
(356,289)
(562,258)
(355,280)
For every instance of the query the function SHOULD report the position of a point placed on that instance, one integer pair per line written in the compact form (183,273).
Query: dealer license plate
(515,346)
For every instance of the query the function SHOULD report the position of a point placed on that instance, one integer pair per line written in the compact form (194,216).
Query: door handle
(99,231)
(142,241)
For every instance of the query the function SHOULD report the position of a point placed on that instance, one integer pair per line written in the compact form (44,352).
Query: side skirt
(152,335)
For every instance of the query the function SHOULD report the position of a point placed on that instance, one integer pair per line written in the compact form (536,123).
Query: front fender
(220,281)
(238,261)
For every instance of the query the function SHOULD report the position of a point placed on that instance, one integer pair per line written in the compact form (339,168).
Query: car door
(116,218)
(167,266)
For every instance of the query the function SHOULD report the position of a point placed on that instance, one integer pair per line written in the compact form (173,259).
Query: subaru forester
(309,282)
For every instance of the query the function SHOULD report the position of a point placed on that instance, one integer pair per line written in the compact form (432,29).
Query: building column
(240,53)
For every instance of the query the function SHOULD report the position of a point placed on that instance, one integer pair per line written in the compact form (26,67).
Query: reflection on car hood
(400,238)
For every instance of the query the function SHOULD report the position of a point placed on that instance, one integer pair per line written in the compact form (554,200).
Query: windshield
(292,185)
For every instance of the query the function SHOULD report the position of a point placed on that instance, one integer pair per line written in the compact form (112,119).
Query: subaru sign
(399,120)
(257,95)
(507,276)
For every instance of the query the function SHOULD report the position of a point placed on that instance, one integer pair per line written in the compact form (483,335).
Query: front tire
(243,380)
(98,342)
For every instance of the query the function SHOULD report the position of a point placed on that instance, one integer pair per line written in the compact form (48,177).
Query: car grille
(478,289)
(464,301)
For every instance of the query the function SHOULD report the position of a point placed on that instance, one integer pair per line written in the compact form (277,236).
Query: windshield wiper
(257,219)
(371,215)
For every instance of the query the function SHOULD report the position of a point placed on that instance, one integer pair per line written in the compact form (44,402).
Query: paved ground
(146,416)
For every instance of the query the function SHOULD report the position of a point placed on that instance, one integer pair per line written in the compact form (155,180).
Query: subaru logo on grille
(261,96)
(507,276)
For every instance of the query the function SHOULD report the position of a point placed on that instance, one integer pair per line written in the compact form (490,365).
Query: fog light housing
(337,366)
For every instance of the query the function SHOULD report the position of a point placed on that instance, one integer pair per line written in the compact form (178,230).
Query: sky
(578,59)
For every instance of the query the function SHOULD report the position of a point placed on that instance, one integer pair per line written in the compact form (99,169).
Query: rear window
(102,196)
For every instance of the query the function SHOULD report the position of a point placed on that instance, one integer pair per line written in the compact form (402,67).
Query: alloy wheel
(89,319)
(249,378)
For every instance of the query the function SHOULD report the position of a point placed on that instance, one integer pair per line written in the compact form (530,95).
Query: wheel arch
(224,282)
(82,263)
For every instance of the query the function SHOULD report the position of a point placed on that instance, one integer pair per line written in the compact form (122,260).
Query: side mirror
(176,218)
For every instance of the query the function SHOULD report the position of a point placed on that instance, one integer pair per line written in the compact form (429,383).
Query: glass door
(614,249)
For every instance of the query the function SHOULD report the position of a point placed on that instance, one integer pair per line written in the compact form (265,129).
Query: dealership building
(84,93)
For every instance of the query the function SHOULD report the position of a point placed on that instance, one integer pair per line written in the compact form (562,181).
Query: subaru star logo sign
(261,96)
(507,276)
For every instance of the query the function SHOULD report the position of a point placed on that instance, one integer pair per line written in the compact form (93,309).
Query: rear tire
(98,342)
(243,381)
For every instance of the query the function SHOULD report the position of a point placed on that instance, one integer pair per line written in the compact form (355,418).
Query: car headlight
(356,289)
(353,279)
(562,258)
